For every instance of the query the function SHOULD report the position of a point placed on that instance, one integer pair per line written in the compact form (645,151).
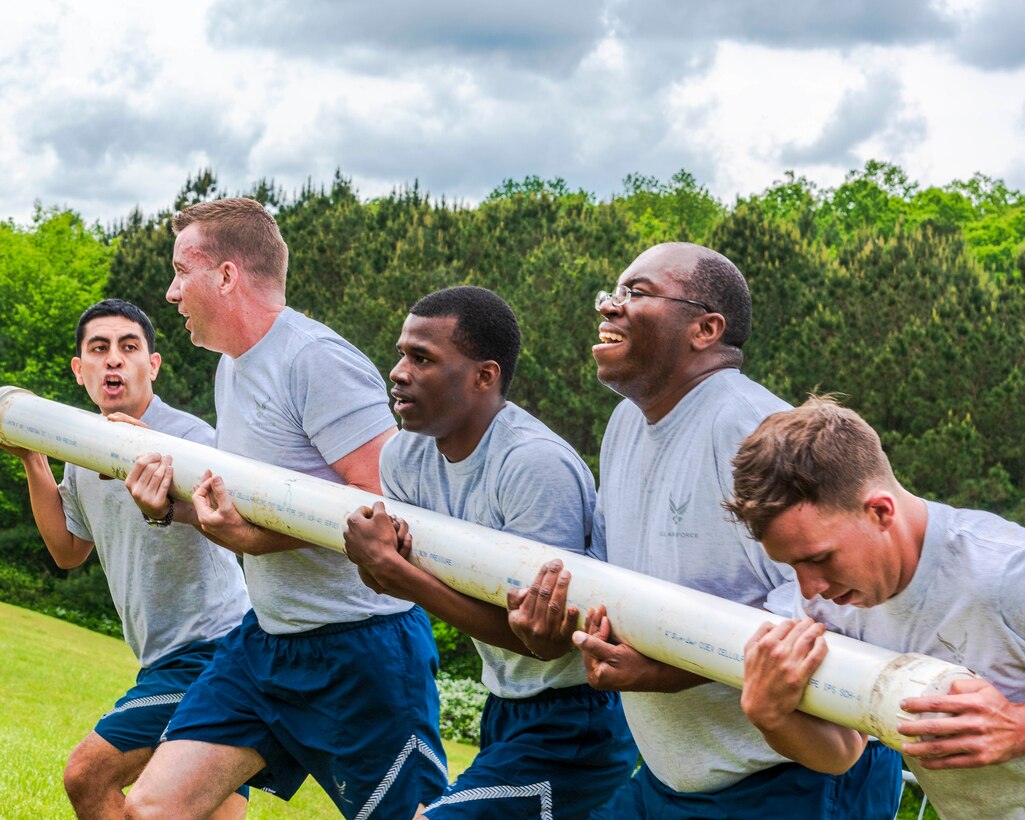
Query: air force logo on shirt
(956,650)
(676,511)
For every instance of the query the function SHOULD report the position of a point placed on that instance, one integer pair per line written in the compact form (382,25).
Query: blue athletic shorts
(353,704)
(558,754)
(869,791)
(139,718)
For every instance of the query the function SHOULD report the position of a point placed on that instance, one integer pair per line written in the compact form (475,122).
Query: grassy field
(57,679)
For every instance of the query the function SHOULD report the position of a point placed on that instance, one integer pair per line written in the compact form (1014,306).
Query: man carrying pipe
(176,593)
(670,343)
(291,692)
(879,564)
(466,451)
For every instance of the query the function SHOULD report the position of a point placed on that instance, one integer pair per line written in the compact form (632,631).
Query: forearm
(815,743)
(481,620)
(656,676)
(48,511)
(249,539)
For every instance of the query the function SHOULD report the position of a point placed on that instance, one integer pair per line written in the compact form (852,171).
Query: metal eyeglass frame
(621,294)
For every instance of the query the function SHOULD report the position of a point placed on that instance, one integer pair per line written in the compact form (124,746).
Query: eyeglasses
(621,294)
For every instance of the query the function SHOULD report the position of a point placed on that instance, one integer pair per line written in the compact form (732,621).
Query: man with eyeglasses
(670,343)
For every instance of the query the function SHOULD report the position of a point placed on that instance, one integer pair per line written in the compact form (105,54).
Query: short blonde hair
(240,230)
(819,453)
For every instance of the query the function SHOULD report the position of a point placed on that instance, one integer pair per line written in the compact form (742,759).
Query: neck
(913,519)
(459,444)
(657,407)
(248,324)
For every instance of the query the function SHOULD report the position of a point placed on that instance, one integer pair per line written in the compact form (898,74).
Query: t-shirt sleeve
(786,600)
(598,548)
(392,472)
(200,433)
(546,495)
(1012,597)
(74,518)
(728,439)
(340,397)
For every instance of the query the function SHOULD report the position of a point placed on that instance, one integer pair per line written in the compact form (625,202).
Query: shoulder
(626,420)
(164,418)
(522,440)
(992,549)
(405,448)
(306,339)
(741,400)
(737,405)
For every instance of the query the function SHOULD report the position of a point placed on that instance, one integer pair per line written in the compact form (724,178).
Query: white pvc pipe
(858,685)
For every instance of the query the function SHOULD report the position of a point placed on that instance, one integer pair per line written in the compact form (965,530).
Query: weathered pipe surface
(858,685)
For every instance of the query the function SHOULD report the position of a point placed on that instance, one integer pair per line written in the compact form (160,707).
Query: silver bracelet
(166,520)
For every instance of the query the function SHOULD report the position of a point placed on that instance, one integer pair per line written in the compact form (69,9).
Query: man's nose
(811,585)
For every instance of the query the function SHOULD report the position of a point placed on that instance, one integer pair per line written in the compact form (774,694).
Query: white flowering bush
(462,700)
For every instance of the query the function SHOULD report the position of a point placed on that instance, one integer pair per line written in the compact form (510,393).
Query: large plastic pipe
(858,685)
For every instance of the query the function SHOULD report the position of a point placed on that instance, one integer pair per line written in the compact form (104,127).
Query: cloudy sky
(112,104)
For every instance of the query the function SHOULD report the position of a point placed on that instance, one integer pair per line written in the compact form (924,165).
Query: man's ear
(707,330)
(229,273)
(489,375)
(76,368)
(154,365)
(881,507)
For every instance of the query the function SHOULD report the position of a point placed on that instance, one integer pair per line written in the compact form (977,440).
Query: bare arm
(380,545)
(980,727)
(221,523)
(779,661)
(620,667)
(360,468)
(68,550)
(213,512)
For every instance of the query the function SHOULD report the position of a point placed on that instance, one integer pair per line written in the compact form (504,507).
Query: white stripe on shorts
(413,744)
(543,790)
(151,700)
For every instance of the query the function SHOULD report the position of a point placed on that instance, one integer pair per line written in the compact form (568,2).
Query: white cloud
(112,104)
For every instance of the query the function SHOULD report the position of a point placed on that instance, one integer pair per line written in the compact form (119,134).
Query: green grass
(57,679)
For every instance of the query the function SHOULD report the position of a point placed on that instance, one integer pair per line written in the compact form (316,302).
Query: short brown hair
(819,453)
(241,230)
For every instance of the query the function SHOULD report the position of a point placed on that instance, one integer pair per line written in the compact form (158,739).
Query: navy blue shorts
(869,791)
(139,718)
(355,705)
(558,754)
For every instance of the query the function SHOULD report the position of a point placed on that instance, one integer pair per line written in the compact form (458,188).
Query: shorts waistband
(346,626)
(578,692)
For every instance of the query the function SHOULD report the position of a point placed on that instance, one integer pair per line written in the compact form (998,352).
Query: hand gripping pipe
(858,685)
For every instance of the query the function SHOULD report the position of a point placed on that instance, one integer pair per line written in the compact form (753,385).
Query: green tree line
(910,301)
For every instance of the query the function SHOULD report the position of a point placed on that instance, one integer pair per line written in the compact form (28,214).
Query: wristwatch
(166,520)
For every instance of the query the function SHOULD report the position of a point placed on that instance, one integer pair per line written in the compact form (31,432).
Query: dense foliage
(908,300)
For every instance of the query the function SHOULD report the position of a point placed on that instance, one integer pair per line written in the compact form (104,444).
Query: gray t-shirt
(522,479)
(302,398)
(964,604)
(660,512)
(169,584)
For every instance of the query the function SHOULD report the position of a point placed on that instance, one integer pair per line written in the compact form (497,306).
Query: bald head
(709,277)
